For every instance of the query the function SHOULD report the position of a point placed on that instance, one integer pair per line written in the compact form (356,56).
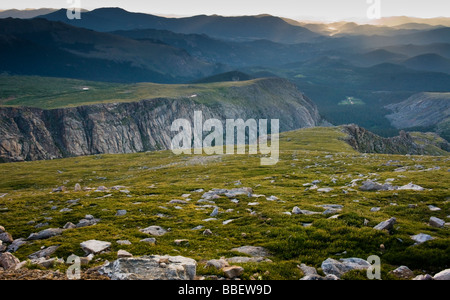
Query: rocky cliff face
(424,110)
(35,134)
(415,143)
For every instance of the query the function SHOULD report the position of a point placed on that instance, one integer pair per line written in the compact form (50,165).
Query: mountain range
(377,64)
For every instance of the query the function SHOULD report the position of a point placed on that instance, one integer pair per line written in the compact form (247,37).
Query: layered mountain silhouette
(42,47)
(231,28)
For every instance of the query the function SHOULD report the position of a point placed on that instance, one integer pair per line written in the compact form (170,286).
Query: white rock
(421,238)
(95,246)
(436,222)
(154,230)
(443,275)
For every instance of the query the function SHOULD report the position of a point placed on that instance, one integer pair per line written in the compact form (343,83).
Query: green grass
(156,178)
(50,93)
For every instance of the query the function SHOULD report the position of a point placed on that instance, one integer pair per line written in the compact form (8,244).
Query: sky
(325,10)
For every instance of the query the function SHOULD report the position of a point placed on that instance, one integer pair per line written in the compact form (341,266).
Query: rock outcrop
(365,141)
(153,267)
(127,127)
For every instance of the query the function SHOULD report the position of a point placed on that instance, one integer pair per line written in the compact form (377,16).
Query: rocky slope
(34,134)
(414,143)
(423,110)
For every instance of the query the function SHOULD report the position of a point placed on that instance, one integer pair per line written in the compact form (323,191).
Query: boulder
(423,277)
(403,272)
(123,254)
(152,267)
(436,222)
(69,225)
(154,230)
(443,275)
(151,241)
(308,271)
(45,234)
(233,271)
(95,247)
(121,212)
(386,225)
(16,244)
(246,260)
(252,251)
(369,185)
(421,238)
(44,252)
(8,261)
(338,268)
(217,263)
(5,237)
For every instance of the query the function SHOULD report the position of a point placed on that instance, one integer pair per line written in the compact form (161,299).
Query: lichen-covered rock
(152,267)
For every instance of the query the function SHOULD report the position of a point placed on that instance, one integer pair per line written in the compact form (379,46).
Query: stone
(123,242)
(178,202)
(338,268)
(369,185)
(16,244)
(45,262)
(181,242)
(69,225)
(45,234)
(151,241)
(77,188)
(2,229)
(421,238)
(233,271)
(296,210)
(272,198)
(308,271)
(215,212)
(95,246)
(443,275)
(252,251)
(154,230)
(87,222)
(246,260)
(386,225)
(123,254)
(325,190)
(46,252)
(227,222)
(65,209)
(217,263)
(207,232)
(433,208)
(412,187)
(5,237)
(436,222)
(375,209)
(403,272)
(152,267)
(8,261)
(59,189)
(121,212)
(423,277)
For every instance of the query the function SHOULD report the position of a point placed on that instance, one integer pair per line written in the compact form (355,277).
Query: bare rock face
(365,141)
(35,134)
(152,267)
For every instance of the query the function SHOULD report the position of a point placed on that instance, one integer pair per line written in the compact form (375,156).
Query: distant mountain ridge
(46,48)
(231,28)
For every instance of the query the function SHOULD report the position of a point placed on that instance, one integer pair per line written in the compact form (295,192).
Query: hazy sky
(311,9)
